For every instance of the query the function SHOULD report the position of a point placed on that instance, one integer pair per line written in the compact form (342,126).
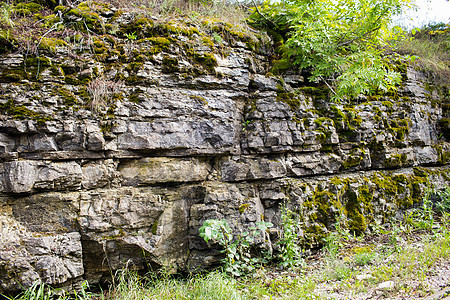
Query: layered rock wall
(189,132)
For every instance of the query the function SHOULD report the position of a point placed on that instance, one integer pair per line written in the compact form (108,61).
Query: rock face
(192,134)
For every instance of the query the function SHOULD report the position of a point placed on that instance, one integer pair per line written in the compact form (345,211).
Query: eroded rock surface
(87,191)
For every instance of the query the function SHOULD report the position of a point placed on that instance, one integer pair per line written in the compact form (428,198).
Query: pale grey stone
(163,169)
(18,176)
(59,176)
(385,286)
(252,168)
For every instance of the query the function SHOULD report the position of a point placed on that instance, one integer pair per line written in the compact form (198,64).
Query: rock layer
(85,191)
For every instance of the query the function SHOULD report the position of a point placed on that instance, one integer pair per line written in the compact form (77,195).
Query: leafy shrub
(290,251)
(342,43)
(238,260)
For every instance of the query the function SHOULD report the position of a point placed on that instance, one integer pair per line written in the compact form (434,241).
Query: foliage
(335,240)
(215,285)
(434,202)
(443,205)
(238,260)
(42,291)
(5,15)
(431,44)
(230,12)
(290,251)
(341,42)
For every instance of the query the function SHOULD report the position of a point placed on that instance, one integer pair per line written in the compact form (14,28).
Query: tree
(342,42)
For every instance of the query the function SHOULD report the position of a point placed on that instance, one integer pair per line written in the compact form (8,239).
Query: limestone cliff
(114,152)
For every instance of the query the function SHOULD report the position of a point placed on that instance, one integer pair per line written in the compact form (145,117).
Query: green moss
(207,60)
(134,67)
(399,128)
(199,99)
(322,201)
(106,126)
(86,17)
(169,28)
(444,123)
(83,94)
(21,112)
(354,158)
(280,66)
(26,8)
(208,42)
(396,160)
(170,64)
(324,127)
(315,235)
(388,104)
(71,79)
(159,43)
(319,92)
(443,154)
(99,46)
(346,122)
(68,96)
(356,220)
(51,44)
(155,227)
(134,95)
(243,208)
(385,184)
(290,99)
(13,75)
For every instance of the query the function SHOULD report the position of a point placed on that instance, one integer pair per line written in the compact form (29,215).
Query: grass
(162,11)
(409,265)
(409,261)
(431,44)
(405,254)
(214,285)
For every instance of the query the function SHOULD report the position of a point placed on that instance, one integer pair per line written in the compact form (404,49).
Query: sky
(427,11)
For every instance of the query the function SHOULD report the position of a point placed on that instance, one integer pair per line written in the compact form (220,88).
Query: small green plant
(5,15)
(395,235)
(42,291)
(131,36)
(238,260)
(335,240)
(443,206)
(424,217)
(244,125)
(363,256)
(290,251)
(217,38)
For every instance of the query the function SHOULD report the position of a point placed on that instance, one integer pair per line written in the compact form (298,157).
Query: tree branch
(358,37)
(262,15)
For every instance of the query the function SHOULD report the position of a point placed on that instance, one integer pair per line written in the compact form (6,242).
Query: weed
(290,251)
(436,203)
(336,239)
(431,45)
(101,91)
(238,260)
(215,285)
(131,36)
(42,291)
(364,257)
(5,15)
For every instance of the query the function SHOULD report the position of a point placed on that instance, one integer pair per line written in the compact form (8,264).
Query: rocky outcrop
(192,132)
